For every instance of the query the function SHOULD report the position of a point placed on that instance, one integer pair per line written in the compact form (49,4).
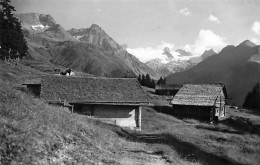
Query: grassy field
(233,141)
(33,132)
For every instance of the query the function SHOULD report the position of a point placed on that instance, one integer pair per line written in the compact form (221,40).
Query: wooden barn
(113,100)
(167,90)
(200,101)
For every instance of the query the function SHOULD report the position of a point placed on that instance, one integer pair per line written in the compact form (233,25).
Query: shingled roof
(198,94)
(94,90)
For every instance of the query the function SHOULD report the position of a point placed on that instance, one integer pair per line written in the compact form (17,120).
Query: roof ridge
(76,77)
(204,84)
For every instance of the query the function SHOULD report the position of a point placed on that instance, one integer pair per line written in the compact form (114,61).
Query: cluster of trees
(161,81)
(12,42)
(146,80)
(252,100)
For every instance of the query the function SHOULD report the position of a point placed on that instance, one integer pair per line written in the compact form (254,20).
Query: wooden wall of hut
(204,113)
(34,89)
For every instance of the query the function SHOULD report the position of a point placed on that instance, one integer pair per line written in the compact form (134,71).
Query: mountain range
(238,67)
(88,50)
(169,64)
(92,50)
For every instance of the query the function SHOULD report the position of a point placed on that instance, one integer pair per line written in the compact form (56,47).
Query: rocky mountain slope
(237,67)
(43,26)
(172,64)
(89,50)
(158,66)
(96,36)
(167,64)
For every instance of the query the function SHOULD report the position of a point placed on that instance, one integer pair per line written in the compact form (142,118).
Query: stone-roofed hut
(200,101)
(113,100)
(167,89)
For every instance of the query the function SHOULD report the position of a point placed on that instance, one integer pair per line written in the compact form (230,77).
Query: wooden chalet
(167,89)
(113,100)
(200,101)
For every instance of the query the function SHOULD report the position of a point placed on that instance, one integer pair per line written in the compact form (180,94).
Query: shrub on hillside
(252,100)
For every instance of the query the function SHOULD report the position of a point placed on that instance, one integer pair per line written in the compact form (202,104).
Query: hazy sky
(146,26)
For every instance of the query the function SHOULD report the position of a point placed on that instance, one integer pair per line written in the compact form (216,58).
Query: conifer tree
(164,81)
(12,41)
(143,80)
(139,78)
(159,82)
(152,85)
(248,100)
(252,99)
(147,80)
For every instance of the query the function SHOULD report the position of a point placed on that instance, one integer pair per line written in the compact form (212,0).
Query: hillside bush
(252,100)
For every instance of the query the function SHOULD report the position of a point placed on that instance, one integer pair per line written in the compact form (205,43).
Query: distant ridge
(205,55)
(232,66)
(247,43)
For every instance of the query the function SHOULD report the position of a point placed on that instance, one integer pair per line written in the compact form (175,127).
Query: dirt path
(138,157)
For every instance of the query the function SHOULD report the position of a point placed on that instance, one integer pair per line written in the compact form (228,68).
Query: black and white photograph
(129,82)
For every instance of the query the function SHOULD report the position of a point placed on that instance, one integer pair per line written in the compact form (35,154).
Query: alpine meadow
(119,82)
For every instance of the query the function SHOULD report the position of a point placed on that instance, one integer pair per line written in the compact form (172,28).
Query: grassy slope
(233,141)
(34,132)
